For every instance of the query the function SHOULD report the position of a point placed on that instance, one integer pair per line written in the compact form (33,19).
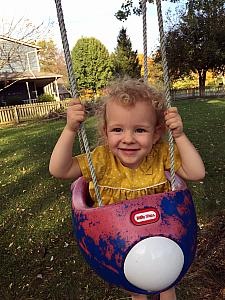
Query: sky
(87,18)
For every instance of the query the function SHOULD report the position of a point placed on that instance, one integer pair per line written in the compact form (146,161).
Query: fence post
(16,115)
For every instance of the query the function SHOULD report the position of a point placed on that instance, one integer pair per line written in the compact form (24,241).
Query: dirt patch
(206,279)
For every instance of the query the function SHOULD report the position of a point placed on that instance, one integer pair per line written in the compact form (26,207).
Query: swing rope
(167,89)
(68,59)
(81,133)
(144,10)
(165,75)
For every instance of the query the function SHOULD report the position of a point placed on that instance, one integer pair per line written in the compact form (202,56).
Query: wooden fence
(18,113)
(211,91)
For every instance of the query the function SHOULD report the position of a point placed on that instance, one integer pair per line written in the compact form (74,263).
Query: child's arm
(192,166)
(62,164)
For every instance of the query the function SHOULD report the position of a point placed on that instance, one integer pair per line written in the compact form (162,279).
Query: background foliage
(196,43)
(125,60)
(52,59)
(92,64)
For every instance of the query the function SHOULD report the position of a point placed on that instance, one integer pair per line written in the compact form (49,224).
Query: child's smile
(129,151)
(130,131)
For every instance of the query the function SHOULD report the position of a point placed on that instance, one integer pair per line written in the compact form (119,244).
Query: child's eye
(116,129)
(140,130)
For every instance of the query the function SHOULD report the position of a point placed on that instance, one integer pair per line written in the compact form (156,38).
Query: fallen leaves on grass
(207,277)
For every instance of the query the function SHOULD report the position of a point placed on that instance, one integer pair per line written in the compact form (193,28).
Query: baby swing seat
(144,245)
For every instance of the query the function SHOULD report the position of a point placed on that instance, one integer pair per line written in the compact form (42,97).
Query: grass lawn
(39,256)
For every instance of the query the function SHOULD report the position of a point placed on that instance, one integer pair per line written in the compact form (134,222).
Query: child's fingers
(80,114)
(75,105)
(75,118)
(174,125)
(173,120)
(172,110)
(73,102)
(173,117)
(75,114)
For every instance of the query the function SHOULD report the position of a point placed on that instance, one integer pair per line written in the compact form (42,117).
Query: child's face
(130,131)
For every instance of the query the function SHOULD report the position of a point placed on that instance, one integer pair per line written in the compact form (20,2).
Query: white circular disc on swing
(154,263)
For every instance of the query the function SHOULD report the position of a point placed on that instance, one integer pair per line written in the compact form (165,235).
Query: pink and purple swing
(144,245)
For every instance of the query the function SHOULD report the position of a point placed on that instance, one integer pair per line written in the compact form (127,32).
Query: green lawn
(39,256)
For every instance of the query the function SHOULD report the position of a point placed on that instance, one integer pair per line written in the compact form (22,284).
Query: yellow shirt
(117,182)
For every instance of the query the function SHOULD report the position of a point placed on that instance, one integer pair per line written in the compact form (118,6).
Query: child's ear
(157,134)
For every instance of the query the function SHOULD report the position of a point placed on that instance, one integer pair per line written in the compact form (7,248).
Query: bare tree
(22,30)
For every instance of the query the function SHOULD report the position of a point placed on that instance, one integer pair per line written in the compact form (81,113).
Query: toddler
(133,158)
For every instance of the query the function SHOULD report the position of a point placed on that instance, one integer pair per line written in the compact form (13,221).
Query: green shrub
(46,98)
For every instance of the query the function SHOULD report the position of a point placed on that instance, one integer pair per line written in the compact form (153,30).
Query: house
(21,80)
(63,91)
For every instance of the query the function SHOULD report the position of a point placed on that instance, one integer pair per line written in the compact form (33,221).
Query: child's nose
(128,137)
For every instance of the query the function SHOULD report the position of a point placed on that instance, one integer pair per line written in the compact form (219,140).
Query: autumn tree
(47,56)
(52,59)
(197,42)
(125,60)
(155,71)
(92,64)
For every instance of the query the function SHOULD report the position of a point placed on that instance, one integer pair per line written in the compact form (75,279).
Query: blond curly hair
(128,92)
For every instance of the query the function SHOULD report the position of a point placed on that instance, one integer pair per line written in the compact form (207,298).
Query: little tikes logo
(144,216)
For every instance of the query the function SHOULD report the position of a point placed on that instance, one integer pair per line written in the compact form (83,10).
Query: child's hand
(75,115)
(174,122)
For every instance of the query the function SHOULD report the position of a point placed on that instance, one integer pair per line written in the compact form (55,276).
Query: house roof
(5,38)
(27,75)
(41,78)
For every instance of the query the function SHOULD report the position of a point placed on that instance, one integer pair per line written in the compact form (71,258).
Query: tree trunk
(201,80)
